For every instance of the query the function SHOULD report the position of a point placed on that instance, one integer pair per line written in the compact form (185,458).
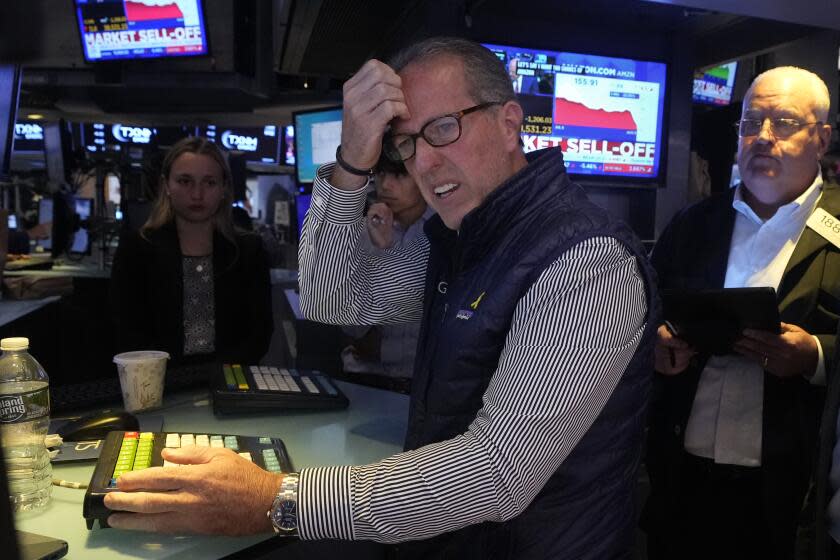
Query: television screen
(28,137)
(100,137)
(713,86)
(166,136)
(317,135)
(605,112)
(288,145)
(259,143)
(126,29)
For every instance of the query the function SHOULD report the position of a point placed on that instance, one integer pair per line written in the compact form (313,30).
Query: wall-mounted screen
(713,86)
(606,113)
(101,137)
(28,137)
(126,29)
(317,135)
(260,144)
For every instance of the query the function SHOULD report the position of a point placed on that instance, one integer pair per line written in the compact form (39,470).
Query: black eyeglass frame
(392,152)
(799,126)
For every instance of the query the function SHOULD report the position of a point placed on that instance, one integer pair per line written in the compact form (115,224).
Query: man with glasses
(732,437)
(536,348)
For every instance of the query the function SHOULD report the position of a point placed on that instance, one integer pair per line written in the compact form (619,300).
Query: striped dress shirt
(572,335)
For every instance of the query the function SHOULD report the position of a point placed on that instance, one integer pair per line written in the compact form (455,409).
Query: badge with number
(825,225)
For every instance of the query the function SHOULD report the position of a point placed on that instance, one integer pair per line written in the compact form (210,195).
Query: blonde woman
(188,282)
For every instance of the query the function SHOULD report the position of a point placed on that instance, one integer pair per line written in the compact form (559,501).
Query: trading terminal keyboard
(238,388)
(105,391)
(133,451)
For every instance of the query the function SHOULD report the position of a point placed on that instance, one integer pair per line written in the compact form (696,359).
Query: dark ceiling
(272,56)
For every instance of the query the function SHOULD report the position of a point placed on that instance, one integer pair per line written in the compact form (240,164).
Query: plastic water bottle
(24,421)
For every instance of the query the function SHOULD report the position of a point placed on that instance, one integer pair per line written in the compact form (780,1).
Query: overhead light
(305,84)
(35,116)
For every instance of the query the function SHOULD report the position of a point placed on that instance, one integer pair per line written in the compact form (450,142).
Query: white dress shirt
(726,417)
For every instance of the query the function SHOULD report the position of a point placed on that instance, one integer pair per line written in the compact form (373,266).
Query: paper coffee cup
(141,378)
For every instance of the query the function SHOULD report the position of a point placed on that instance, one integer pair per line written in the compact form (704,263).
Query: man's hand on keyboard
(212,491)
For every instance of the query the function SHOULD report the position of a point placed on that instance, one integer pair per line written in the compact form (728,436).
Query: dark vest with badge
(475,279)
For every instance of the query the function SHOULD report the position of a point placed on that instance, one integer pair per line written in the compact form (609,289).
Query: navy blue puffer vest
(586,508)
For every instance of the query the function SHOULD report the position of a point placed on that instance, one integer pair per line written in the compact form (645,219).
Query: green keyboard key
(240,377)
(229,379)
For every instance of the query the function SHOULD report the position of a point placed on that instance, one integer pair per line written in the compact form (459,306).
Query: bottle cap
(14,343)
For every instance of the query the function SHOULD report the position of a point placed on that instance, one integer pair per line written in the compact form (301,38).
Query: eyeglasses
(440,131)
(781,128)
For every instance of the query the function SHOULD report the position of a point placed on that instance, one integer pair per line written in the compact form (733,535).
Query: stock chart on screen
(606,113)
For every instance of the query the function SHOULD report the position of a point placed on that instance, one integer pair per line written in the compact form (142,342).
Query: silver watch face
(284,515)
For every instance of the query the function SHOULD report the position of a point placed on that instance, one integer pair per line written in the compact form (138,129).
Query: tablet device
(711,320)
(39,547)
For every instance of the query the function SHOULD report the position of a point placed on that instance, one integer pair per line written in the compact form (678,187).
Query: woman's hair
(162,212)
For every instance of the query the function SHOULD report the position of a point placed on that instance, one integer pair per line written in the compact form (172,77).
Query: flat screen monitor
(302,203)
(28,137)
(81,237)
(101,137)
(713,86)
(134,29)
(65,224)
(45,216)
(259,143)
(166,136)
(9,88)
(317,135)
(606,113)
(288,145)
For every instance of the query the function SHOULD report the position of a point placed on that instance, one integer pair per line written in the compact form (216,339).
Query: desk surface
(81,269)
(13,309)
(373,427)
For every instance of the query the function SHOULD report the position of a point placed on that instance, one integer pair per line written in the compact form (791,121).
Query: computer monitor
(68,216)
(606,113)
(9,89)
(302,203)
(288,156)
(81,237)
(317,135)
(45,216)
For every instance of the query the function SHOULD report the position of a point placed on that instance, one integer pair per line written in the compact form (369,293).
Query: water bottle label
(24,407)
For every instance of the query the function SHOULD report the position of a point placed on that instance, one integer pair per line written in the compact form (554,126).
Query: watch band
(283,512)
(349,168)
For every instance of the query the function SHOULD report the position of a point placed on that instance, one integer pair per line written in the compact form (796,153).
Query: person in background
(188,282)
(732,438)
(394,220)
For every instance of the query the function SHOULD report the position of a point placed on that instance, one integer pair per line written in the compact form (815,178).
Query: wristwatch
(283,513)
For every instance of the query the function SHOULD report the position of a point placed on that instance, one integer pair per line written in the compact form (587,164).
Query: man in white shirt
(732,437)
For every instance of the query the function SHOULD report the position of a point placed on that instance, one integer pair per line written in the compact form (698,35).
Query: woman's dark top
(147,292)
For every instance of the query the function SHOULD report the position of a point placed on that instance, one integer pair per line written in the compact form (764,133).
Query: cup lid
(14,343)
(140,356)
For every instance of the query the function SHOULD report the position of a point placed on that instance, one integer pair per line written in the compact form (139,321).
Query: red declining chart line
(137,11)
(577,114)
